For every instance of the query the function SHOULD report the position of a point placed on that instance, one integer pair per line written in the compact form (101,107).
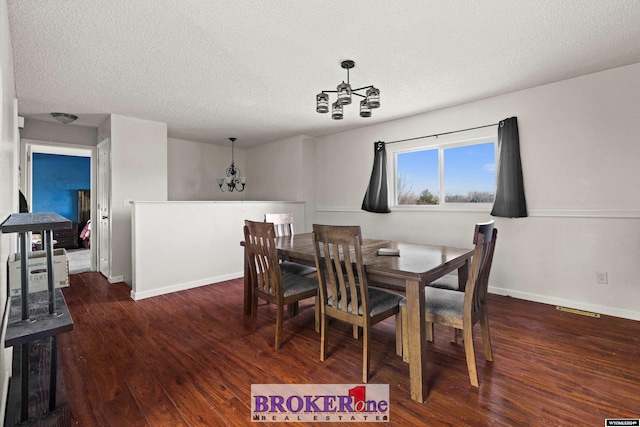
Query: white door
(104,208)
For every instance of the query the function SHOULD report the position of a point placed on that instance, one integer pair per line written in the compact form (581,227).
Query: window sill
(449,207)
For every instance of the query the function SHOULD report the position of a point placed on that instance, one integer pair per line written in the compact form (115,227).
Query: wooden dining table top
(424,262)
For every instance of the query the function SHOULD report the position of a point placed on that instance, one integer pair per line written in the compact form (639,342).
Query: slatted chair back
(263,257)
(478,280)
(341,277)
(283,226)
(282,222)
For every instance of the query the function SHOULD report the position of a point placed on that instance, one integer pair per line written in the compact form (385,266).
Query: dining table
(415,266)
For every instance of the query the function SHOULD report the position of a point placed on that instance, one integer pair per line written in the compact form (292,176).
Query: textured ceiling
(251,69)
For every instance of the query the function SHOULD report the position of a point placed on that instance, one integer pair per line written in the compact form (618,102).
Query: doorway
(65,195)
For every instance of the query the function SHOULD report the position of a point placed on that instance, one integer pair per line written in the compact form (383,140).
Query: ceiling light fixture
(64,118)
(371,97)
(233,180)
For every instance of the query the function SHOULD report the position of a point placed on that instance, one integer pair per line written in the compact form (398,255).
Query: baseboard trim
(596,308)
(183,286)
(115,279)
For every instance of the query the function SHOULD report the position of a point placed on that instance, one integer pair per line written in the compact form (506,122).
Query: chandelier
(371,97)
(233,181)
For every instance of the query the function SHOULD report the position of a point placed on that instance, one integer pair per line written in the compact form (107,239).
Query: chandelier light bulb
(373,97)
(322,102)
(365,110)
(344,93)
(336,112)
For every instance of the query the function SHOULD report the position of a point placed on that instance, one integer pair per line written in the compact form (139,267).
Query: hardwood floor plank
(154,403)
(189,358)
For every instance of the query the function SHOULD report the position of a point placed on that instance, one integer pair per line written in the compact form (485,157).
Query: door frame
(30,146)
(103,240)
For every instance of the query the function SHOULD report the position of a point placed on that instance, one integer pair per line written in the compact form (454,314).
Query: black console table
(46,316)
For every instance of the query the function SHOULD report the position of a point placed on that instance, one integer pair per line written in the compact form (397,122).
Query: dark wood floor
(189,359)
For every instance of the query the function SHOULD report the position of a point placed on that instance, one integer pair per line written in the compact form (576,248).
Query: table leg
(248,289)
(417,339)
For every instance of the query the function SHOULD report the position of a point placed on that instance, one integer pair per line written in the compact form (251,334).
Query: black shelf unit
(45,316)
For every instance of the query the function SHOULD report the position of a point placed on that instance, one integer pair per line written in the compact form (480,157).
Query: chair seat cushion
(294,284)
(442,302)
(379,301)
(288,267)
(449,281)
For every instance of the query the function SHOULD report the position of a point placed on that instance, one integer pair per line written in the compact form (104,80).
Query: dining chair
(283,225)
(450,281)
(268,281)
(344,294)
(462,310)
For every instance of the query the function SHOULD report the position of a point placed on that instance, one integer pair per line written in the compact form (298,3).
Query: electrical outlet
(602,277)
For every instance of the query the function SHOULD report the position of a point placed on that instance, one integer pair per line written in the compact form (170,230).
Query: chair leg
(430,331)
(323,336)
(399,340)
(486,336)
(405,334)
(317,315)
(467,333)
(254,312)
(453,335)
(365,354)
(356,332)
(292,310)
(279,316)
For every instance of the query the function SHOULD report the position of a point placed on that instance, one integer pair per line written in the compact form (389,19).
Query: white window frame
(440,143)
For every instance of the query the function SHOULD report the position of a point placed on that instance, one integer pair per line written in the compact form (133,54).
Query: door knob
(105,217)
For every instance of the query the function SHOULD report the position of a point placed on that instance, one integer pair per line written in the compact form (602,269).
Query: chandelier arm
(361,88)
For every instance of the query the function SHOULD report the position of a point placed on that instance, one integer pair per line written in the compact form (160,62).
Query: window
(450,173)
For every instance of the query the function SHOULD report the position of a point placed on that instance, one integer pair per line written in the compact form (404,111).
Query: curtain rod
(443,133)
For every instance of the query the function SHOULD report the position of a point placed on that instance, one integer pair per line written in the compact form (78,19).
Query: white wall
(579,145)
(193,168)
(138,172)
(181,245)
(9,150)
(40,130)
(284,170)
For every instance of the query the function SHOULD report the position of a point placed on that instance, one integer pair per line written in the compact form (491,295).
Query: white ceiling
(251,69)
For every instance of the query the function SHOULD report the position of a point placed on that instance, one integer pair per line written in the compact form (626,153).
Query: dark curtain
(375,199)
(510,201)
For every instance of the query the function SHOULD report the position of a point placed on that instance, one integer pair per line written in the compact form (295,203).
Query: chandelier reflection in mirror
(344,91)
(233,180)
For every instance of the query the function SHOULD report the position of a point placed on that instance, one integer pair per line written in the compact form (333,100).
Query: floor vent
(576,311)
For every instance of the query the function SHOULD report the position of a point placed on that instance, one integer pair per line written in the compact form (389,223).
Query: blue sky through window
(469,168)
(466,168)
